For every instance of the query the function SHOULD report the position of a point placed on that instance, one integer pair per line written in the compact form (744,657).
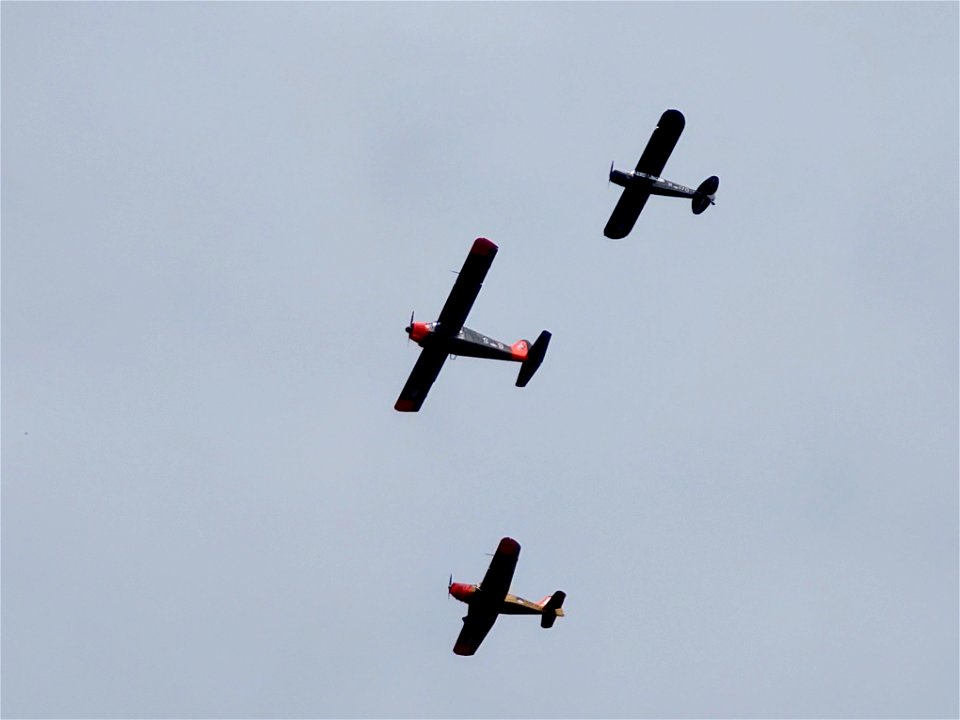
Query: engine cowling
(619,177)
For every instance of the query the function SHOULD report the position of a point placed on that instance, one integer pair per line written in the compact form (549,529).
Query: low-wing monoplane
(646,181)
(492,598)
(447,335)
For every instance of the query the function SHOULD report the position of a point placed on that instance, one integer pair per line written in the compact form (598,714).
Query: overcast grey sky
(739,459)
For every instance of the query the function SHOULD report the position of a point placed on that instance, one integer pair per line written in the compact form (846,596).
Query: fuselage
(651,183)
(467,343)
(510,605)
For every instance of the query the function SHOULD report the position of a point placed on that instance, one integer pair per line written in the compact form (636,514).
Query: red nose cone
(418,331)
(462,591)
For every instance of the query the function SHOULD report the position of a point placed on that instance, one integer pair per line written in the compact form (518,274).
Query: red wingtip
(463,649)
(482,246)
(404,405)
(508,546)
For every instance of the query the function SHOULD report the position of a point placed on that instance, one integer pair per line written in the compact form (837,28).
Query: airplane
(448,336)
(646,181)
(492,598)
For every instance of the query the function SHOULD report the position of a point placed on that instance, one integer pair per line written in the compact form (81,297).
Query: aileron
(467,287)
(421,379)
(661,143)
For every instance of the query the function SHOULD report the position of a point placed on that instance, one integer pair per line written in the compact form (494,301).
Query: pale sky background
(739,459)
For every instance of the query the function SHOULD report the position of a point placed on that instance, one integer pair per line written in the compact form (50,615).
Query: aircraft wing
(652,162)
(661,143)
(493,589)
(625,214)
(467,287)
(421,379)
(476,625)
(496,583)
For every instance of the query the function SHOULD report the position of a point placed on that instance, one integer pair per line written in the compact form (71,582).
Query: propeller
(449,586)
(610,173)
(409,328)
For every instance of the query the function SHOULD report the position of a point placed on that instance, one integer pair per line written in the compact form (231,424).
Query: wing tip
(483,247)
(405,405)
(614,233)
(463,649)
(508,546)
(672,117)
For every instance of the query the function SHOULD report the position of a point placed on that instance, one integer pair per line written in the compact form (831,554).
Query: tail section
(534,358)
(552,608)
(706,194)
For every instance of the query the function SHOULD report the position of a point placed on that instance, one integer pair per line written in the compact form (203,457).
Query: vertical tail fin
(552,608)
(534,358)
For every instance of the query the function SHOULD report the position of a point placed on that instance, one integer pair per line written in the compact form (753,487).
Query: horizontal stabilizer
(534,358)
(551,611)
(709,186)
(705,194)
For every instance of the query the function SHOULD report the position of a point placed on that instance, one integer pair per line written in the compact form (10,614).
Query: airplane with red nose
(447,335)
(492,598)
